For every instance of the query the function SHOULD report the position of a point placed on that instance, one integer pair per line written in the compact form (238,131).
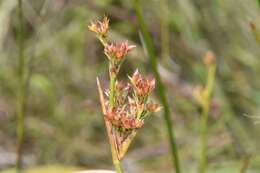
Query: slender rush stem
(118,167)
(116,160)
(204,118)
(112,90)
(203,140)
(165,37)
(160,88)
(20,91)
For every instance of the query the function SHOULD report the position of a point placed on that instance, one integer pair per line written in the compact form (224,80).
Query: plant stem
(20,92)
(109,129)
(165,37)
(116,161)
(160,88)
(203,136)
(245,164)
(112,90)
(118,167)
(204,118)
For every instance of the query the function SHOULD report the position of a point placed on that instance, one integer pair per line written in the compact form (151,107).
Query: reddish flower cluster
(129,112)
(119,119)
(118,51)
(143,86)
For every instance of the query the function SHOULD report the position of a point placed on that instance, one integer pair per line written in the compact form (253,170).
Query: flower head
(131,123)
(118,50)
(199,94)
(153,107)
(142,86)
(209,58)
(100,27)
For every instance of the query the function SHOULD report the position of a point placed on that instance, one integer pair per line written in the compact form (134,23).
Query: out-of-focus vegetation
(63,122)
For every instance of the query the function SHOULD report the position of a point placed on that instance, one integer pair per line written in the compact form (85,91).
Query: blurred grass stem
(204,117)
(165,35)
(160,88)
(20,91)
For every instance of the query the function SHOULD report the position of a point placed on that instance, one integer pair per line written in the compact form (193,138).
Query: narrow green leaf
(160,87)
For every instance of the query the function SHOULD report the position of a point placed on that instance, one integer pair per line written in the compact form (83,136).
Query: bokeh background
(64,127)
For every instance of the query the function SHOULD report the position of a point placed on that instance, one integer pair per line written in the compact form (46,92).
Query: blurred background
(64,127)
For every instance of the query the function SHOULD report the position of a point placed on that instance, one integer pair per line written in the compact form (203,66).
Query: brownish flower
(209,58)
(131,123)
(143,86)
(122,86)
(118,50)
(152,107)
(198,94)
(100,27)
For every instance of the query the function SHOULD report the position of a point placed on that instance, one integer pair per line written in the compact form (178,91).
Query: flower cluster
(116,52)
(131,103)
(126,104)
(143,86)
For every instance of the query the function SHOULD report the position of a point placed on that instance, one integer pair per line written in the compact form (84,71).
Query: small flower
(143,86)
(118,50)
(152,107)
(122,86)
(100,27)
(198,94)
(131,123)
(209,58)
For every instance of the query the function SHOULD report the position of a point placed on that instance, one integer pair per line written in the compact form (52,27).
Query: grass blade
(21,88)
(160,87)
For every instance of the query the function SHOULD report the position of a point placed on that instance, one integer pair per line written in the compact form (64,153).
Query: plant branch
(204,117)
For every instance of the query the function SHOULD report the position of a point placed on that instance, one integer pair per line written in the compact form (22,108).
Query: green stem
(204,118)
(116,161)
(118,167)
(112,90)
(20,91)
(165,37)
(160,86)
(203,141)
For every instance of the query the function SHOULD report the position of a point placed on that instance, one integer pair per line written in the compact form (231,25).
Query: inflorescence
(125,105)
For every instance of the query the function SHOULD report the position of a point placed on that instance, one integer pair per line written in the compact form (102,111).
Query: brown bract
(118,50)
(100,27)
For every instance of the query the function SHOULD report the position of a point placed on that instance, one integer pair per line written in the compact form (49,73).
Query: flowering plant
(126,104)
